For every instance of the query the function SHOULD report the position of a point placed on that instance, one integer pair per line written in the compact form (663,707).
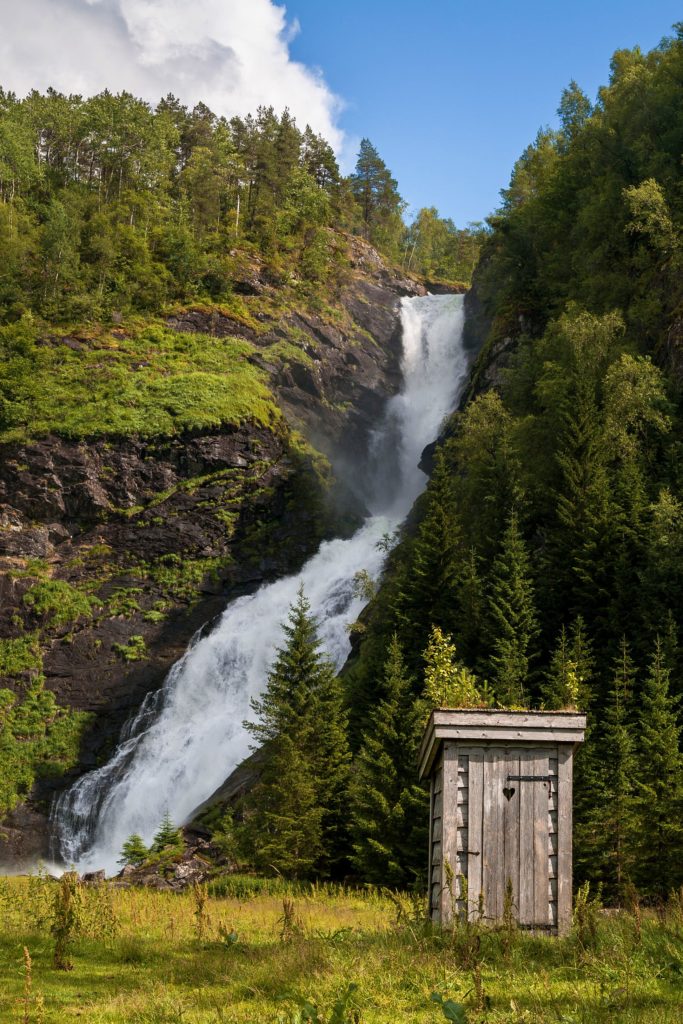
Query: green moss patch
(159,383)
(20,654)
(135,649)
(58,603)
(37,737)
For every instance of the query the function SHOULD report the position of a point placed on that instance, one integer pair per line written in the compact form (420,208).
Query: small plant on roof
(448,683)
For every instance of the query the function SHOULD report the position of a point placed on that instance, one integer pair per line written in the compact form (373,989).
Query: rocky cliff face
(348,360)
(114,551)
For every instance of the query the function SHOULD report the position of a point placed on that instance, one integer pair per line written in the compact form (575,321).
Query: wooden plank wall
(475,837)
(563,840)
(553,838)
(463,820)
(511,826)
(493,881)
(488,839)
(450,830)
(435,865)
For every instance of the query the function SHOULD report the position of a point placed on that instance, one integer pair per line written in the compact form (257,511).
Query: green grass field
(157,958)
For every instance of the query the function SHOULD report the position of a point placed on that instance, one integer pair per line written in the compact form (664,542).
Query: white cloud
(231,54)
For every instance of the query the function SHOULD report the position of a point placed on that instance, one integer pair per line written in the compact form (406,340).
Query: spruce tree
(572,675)
(430,596)
(578,557)
(303,727)
(282,828)
(567,682)
(606,833)
(330,759)
(659,785)
(298,676)
(167,837)
(470,608)
(389,808)
(513,626)
(134,851)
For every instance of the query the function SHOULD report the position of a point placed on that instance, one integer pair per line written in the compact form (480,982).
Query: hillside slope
(549,543)
(165,467)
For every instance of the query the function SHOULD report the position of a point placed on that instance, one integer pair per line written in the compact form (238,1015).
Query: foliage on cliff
(550,540)
(149,382)
(37,737)
(113,212)
(110,205)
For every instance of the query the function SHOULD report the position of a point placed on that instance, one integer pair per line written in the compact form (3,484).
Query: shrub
(20,654)
(134,650)
(58,602)
(67,915)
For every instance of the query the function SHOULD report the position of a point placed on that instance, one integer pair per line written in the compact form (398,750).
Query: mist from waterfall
(189,735)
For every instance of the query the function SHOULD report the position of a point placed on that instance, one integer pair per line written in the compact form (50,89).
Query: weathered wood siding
(501,820)
(435,833)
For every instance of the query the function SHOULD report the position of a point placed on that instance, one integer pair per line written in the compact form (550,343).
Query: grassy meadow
(259,954)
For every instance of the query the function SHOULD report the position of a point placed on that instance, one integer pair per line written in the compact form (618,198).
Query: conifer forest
(230,599)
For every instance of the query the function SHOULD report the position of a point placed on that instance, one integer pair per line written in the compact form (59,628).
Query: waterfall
(188,736)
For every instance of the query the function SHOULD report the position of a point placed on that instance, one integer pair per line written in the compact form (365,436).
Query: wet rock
(190,868)
(443,288)
(94,877)
(213,322)
(23,836)
(19,537)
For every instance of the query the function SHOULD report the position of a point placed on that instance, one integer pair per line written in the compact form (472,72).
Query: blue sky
(451,92)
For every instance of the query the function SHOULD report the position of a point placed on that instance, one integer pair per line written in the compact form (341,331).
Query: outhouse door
(506,830)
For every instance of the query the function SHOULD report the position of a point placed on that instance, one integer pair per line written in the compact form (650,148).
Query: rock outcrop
(152,536)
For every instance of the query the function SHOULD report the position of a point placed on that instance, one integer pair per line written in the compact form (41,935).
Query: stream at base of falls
(189,735)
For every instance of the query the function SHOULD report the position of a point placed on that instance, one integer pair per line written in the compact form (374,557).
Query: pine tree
(388,807)
(574,110)
(167,837)
(134,851)
(606,833)
(303,726)
(282,829)
(659,785)
(431,592)
(513,622)
(567,682)
(376,194)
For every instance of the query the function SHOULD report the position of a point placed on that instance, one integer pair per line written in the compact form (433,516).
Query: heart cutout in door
(508,792)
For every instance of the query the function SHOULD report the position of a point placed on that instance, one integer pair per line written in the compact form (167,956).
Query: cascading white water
(187,738)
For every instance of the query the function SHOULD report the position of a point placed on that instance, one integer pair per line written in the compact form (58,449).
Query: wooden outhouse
(501,814)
